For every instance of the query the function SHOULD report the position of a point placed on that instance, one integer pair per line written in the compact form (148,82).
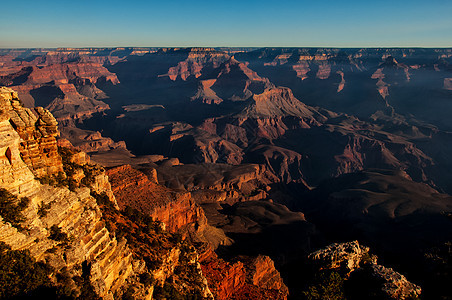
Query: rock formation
(132,188)
(346,256)
(67,89)
(197,60)
(365,279)
(180,213)
(67,229)
(37,130)
(248,278)
(395,285)
(263,274)
(75,213)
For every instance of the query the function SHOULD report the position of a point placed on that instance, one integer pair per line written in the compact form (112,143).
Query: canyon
(245,160)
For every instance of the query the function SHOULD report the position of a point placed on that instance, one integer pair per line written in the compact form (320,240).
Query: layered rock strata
(247,278)
(37,129)
(134,189)
(76,214)
(67,230)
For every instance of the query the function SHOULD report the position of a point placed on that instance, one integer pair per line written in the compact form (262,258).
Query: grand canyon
(226,173)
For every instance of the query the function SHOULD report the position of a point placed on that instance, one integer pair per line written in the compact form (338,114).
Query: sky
(264,23)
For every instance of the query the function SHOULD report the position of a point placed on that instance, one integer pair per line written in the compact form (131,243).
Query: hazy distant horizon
(219,47)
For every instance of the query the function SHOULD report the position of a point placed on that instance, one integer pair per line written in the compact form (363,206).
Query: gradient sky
(284,23)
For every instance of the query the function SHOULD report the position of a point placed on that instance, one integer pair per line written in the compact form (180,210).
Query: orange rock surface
(38,130)
(133,188)
(248,279)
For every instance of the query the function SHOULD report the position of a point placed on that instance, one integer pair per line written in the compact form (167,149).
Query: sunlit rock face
(248,277)
(76,213)
(37,129)
(133,188)
(87,245)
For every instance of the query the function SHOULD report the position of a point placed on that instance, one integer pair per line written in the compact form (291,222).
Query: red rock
(133,188)
(197,60)
(249,279)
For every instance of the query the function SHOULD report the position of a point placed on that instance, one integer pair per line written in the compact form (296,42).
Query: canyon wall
(70,232)
(75,213)
(37,129)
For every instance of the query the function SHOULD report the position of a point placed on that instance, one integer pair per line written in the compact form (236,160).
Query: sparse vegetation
(169,291)
(147,279)
(11,208)
(326,285)
(22,277)
(103,200)
(57,235)
(43,209)
(20,274)
(151,243)
(59,180)
(70,170)
(439,264)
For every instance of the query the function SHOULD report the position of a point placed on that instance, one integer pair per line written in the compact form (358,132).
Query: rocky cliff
(252,277)
(246,278)
(132,188)
(198,59)
(37,129)
(68,231)
(67,89)
(74,213)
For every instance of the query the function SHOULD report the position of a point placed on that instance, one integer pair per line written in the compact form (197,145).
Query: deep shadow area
(401,220)
(46,94)
(263,227)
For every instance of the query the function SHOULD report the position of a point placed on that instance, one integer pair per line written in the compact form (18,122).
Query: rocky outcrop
(197,60)
(286,165)
(379,282)
(205,94)
(64,84)
(225,278)
(90,141)
(365,279)
(63,72)
(83,172)
(79,236)
(248,278)
(176,210)
(37,130)
(395,285)
(205,147)
(76,214)
(167,263)
(233,81)
(262,273)
(346,256)
(211,183)
(132,188)
(279,101)
(324,71)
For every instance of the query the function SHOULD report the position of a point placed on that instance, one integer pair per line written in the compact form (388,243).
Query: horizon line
(231,47)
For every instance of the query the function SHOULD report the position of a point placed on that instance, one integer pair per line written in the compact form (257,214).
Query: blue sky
(283,23)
